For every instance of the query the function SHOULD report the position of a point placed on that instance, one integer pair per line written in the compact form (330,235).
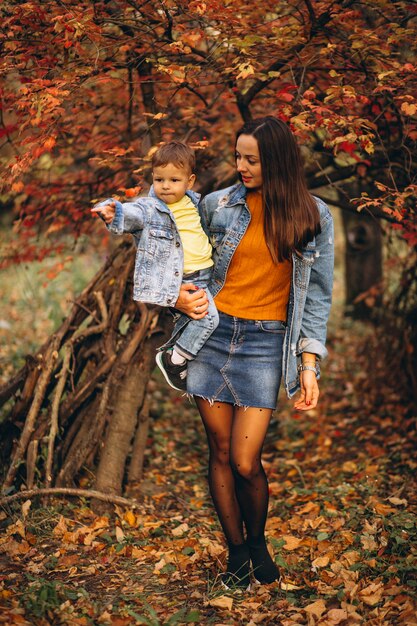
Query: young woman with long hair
(272,283)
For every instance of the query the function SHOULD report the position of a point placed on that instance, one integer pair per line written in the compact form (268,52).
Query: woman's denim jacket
(225,217)
(159,253)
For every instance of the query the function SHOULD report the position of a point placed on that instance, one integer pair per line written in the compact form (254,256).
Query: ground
(342,523)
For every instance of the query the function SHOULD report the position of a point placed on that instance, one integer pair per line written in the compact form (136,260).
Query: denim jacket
(159,253)
(225,216)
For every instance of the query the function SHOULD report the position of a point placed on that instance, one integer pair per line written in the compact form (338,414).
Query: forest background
(89,89)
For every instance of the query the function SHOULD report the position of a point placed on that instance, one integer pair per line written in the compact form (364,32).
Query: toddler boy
(171,248)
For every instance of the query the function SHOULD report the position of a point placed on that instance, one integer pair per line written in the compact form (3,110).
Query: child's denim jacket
(225,217)
(159,252)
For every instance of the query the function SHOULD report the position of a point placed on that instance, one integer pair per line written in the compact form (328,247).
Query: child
(172,248)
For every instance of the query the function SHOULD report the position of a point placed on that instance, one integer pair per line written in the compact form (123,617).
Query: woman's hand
(309,392)
(192,301)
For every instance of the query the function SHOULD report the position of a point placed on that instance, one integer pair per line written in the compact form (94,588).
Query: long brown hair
(291,216)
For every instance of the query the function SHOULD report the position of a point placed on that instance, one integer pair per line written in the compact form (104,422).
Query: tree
(90,88)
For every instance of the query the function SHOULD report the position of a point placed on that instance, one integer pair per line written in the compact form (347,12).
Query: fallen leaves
(372,594)
(341,529)
(221,602)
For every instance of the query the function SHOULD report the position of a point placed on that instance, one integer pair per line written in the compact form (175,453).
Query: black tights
(237,481)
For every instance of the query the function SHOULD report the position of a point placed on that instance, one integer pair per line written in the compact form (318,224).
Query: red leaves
(5,131)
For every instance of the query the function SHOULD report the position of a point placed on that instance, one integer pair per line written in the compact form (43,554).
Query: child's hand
(106,211)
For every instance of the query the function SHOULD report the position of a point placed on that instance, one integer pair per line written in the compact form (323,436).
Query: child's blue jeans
(190,335)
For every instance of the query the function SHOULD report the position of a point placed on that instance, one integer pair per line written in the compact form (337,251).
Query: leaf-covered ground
(342,524)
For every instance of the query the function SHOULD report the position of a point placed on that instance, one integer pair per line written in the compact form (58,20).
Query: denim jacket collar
(237,194)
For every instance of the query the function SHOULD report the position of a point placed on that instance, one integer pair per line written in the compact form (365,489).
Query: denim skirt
(241,363)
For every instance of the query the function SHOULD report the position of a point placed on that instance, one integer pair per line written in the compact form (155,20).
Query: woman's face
(248,162)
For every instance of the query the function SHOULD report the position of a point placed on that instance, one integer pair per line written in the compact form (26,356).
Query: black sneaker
(175,375)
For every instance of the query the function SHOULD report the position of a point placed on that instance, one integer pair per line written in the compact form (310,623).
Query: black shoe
(175,375)
(237,576)
(264,569)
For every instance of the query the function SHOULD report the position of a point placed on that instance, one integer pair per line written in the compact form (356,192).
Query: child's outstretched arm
(121,218)
(105,211)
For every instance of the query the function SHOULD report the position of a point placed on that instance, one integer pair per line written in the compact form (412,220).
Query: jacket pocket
(159,241)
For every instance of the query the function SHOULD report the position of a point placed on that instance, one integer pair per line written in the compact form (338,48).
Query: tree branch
(66,491)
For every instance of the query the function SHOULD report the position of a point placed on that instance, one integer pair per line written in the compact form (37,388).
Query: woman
(272,282)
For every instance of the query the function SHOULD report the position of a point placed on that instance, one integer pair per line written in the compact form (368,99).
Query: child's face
(171,182)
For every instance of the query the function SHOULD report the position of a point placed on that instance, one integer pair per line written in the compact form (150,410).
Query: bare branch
(66,491)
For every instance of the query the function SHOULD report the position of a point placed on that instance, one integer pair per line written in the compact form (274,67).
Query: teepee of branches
(81,402)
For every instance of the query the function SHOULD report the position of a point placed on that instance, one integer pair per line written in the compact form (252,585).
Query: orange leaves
(315,609)
(18,186)
(409,108)
(84,535)
(372,594)
(130,192)
(291,542)
(221,602)
(199,7)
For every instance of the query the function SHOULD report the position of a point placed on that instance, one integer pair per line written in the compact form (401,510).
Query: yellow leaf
(222,602)
(130,518)
(159,565)
(287,586)
(25,507)
(291,543)
(137,553)
(398,501)
(180,530)
(351,557)
(245,70)
(61,528)
(350,467)
(372,594)
(119,534)
(409,108)
(382,509)
(321,561)
(335,616)
(316,608)
(309,508)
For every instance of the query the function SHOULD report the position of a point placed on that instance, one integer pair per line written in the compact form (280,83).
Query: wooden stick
(31,457)
(54,413)
(66,491)
(139,445)
(49,359)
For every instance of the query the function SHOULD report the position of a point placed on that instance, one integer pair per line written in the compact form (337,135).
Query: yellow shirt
(195,243)
(256,288)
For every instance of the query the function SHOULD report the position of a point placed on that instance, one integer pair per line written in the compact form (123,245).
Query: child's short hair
(175,152)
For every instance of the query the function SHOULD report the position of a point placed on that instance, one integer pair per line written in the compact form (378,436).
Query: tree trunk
(363,264)
(130,393)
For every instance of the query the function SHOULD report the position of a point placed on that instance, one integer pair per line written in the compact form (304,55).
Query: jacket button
(178,244)
(177,273)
